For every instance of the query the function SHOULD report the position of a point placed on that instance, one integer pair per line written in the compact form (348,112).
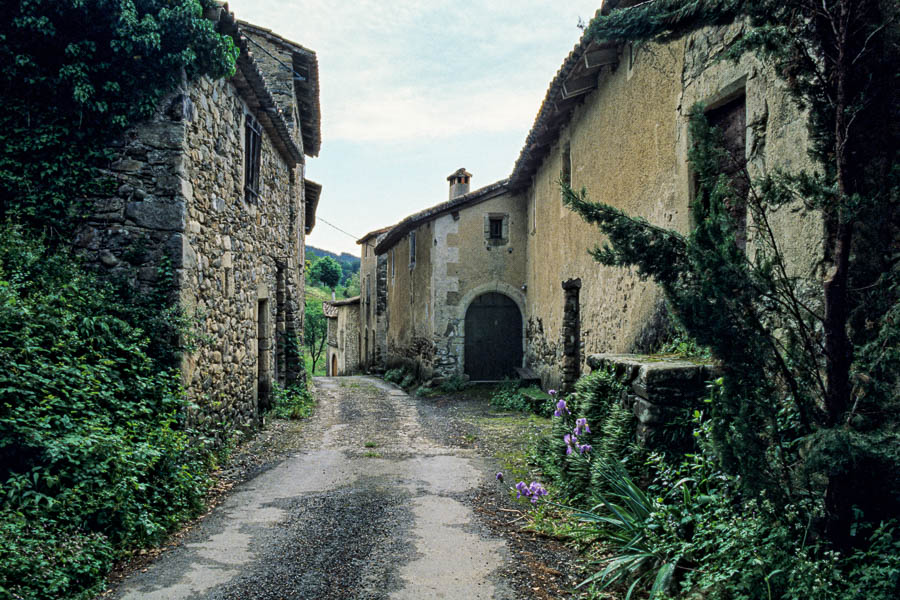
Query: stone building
(455,275)
(614,121)
(212,198)
(373,301)
(342,351)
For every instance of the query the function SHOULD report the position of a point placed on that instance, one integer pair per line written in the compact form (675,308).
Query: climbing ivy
(74,74)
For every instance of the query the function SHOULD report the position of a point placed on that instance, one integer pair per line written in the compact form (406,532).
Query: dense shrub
(91,456)
(510,395)
(293,402)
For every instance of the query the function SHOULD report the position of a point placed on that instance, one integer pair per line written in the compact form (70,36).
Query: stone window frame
(412,249)
(489,238)
(252,157)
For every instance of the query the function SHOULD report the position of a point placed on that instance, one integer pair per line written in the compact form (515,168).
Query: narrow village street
(379,495)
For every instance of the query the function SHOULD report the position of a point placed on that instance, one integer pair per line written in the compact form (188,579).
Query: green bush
(90,446)
(509,395)
(394,375)
(293,402)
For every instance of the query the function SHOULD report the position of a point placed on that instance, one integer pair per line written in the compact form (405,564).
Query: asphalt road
(371,506)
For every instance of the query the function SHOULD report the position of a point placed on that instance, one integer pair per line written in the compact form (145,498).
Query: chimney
(459,183)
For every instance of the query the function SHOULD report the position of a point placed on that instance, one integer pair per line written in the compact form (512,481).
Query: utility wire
(355,237)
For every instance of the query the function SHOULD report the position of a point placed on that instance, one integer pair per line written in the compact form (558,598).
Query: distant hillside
(343,257)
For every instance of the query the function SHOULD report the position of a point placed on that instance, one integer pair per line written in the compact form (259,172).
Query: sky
(411,90)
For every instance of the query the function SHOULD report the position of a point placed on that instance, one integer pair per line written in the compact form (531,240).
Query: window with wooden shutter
(252,143)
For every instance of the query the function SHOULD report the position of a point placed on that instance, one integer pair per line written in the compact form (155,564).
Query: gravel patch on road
(378,495)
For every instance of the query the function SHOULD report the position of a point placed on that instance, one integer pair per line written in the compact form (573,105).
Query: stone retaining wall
(659,389)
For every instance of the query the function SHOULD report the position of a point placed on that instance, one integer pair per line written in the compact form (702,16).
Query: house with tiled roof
(614,122)
(211,192)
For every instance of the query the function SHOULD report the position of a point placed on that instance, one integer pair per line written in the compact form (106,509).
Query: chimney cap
(460,172)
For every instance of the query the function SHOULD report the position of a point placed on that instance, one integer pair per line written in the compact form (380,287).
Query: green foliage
(394,375)
(292,402)
(315,330)
(687,536)
(92,457)
(327,271)
(75,76)
(509,395)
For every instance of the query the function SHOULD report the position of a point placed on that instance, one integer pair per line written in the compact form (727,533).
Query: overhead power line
(355,237)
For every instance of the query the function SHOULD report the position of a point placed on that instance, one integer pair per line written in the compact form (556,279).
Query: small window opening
(496,228)
(252,143)
(566,175)
(412,248)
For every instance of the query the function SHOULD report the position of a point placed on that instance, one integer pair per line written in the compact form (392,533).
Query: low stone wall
(659,389)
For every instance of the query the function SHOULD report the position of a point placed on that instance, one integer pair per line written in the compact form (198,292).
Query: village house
(342,350)
(455,284)
(212,195)
(373,300)
(614,121)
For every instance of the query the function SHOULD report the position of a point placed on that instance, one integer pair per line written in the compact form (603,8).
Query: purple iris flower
(522,489)
(560,408)
(584,448)
(500,476)
(571,441)
(581,426)
(551,392)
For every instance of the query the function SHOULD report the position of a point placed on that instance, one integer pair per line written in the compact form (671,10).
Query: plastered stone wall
(466,265)
(343,340)
(621,141)
(628,144)
(240,260)
(410,331)
(777,137)
(373,304)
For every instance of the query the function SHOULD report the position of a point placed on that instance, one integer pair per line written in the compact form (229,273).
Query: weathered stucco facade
(342,355)
(373,301)
(457,261)
(232,260)
(624,138)
(614,122)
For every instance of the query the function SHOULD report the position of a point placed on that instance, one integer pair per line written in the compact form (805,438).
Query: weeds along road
(377,500)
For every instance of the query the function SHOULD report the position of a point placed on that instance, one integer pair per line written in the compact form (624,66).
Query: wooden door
(493,344)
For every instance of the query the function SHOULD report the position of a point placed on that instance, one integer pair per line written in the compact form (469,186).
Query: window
(412,249)
(566,174)
(252,143)
(730,119)
(495,228)
(393,265)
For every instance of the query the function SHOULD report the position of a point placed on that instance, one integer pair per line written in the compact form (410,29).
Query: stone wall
(620,142)
(344,338)
(180,209)
(409,328)
(661,391)
(466,265)
(140,229)
(241,275)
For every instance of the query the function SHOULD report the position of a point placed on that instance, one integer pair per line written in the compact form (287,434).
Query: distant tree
(315,331)
(326,270)
(352,286)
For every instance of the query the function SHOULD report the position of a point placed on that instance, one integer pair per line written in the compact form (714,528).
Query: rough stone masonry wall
(659,390)
(133,233)
(241,258)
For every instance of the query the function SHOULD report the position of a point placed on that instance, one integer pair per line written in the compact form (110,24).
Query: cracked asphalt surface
(377,496)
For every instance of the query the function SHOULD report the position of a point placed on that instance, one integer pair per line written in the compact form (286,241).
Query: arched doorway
(334,365)
(493,345)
